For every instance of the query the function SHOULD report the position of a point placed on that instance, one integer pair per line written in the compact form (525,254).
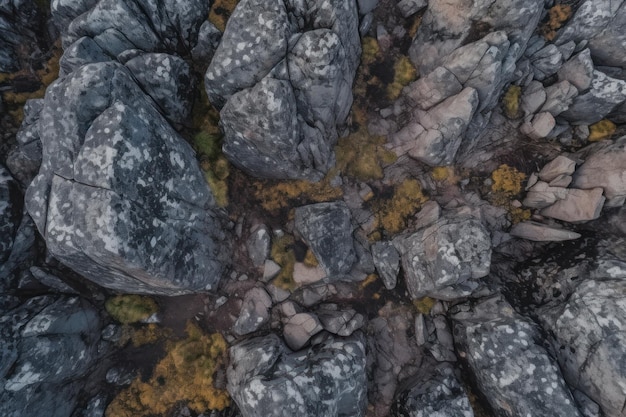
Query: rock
(208,40)
(421,335)
(10,212)
(269,72)
(433,88)
(254,312)
(605,168)
(300,328)
(533,97)
(539,232)
(604,95)
(25,159)
(327,230)
(410,7)
(270,270)
(588,336)
(578,71)
(444,126)
(561,181)
(19,24)
(339,322)
(542,195)
(546,62)
(559,96)
(443,260)
(120,197)
(428,214)
(366,6)
(561,165)
(577,206)
(327,380)
(258,244)
(387,262)
(516,375)
(435,392)
(539,126)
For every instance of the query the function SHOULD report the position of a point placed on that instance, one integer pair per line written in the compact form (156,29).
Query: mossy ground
(186,375)
(506,186)
(557,16)
(393,212)
(363,156)
(603,129)
(130,308)
(283,254)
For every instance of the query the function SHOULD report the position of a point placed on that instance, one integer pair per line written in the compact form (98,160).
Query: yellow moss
(363,156)
(519,214)
(130,308)
(310,260)
(404,73)
(186,374)
(557,16)
(371,278)
(507,181)
(283,254)
(144,334)
(511,102)
(274,196)
(412,31)
(603,129)
(442,173)
(220,12)
(393,213)
(371,50)
(424,305)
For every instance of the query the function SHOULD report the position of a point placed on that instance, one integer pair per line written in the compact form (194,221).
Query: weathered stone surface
(327,230)
(258,244)
(559,96)
(578,71)
(270,72)
(19,20)
(443,260)
(605,168)
(539,232)
(542,195)
(517,375)
(433,88)
(300,328)
(590,326)
(254,311)
(342,322)
(410,7)
(10,212)
(387,261)
(604,94)
(538,126)
(533,97)
(546,61)
(120,197)
(561,165)
(327,380)
(434,392)
(577,206)
(25,159)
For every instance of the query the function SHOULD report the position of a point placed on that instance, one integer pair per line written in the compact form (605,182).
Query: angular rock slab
(327,230)
(441,260)
(282,77)
(591,326)
(517,376)
(265,379)
(120,197)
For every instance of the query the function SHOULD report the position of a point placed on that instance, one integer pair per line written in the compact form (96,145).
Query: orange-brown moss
(392,214)
(220,12)
(362,156)
(283,254)
(557,16)
(130,308)
(144,334)
(185,375)
(370,279)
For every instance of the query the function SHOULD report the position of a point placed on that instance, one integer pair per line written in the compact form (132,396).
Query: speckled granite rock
(516,374)
(589,336)
(25,159)
(19,20)
(10,212)
(327,229)
(444,259)
(264,378)
(286,69)
(120,197)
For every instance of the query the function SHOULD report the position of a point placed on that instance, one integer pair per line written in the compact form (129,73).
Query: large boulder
(588,332)
(266,379)
(120,197)
(283,76)
(517,376)
(19,23)
(445,259)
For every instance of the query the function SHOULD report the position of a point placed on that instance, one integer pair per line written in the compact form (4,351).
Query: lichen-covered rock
(19,22)
(120,197)
(25,159)
(444,260)
(516,375)
(387,261)
(264,378)
(435,393)
(327,229)
(603,96)
(589,335)
(282,76)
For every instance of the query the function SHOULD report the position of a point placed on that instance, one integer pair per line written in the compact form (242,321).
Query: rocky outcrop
(264,378)
(282,77)
(119,196)
(19,22)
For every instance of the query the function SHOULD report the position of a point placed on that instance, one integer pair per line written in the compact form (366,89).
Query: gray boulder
(24,161)
(327,230)
(264,378)
(19,22)
(120,197)
(387,261)
(444,260)
(603,96)
(10,212)
(282,95)
(589,336)
(516,375)
(434,392)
